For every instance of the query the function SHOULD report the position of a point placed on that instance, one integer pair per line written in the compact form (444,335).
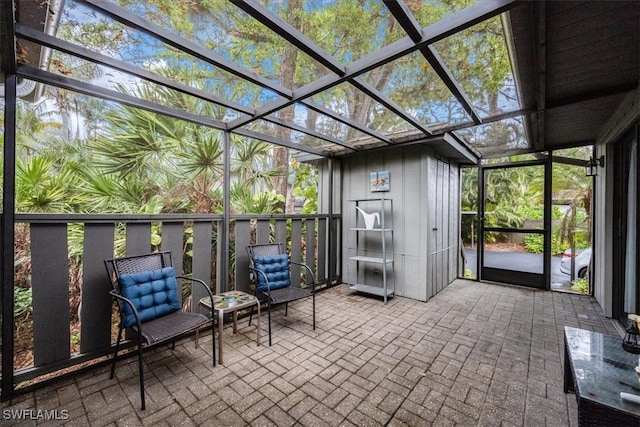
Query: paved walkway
(475,354)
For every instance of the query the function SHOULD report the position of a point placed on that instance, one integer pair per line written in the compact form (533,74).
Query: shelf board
(374,260)
(374,290)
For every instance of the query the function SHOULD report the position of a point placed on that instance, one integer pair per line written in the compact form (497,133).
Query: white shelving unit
(362,260)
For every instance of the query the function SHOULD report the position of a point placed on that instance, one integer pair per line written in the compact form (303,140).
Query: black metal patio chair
(269,265)
(146,290)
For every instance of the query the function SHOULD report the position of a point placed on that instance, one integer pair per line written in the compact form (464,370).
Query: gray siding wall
(425,194)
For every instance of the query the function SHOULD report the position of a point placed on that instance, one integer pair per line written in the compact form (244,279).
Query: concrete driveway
(520,261)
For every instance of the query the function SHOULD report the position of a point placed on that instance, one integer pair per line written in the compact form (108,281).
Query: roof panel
(478,59)
(289,136)
(108,78)
(429,12)
(303,116)
(412,84)
(133,47)
(354,104)
(345,29)
(496,137)
(231,33)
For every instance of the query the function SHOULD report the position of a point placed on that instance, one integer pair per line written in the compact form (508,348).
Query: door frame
(519,278)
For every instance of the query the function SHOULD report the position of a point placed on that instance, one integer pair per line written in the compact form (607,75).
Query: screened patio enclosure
(341,83)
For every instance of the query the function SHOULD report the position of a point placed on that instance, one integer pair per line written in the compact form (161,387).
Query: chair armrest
(201,283)
(313,279)
(266,279)
(124,300)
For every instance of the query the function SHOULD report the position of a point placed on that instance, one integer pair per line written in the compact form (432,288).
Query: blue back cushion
(276,268)
(153,293)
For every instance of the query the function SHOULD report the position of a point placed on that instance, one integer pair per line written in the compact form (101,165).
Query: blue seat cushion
(154,294)
(276,268)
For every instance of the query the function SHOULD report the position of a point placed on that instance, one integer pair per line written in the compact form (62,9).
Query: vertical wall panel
(220,248)
(454,222)
(50,288)
(173,241)
(310,245)
(336,270)
(263,231)
(423,237)
(202,258)
(95,315)
(296,250)
(281,231)
(439,232)
(243,239)
(321,268)
(432,185)
(138,238)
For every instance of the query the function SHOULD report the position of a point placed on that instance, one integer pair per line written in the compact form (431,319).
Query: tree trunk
(286,77)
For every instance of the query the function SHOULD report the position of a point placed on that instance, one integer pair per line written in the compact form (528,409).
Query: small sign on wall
(379,181)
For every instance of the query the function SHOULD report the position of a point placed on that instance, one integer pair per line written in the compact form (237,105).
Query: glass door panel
(571,219)
(512,226)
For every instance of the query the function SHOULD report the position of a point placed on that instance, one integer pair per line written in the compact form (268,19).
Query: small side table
(231,302)
(597,369)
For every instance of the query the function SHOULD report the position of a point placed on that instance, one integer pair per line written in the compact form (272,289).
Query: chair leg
(251,315)
(269,315)
(314,310)
(286,308)
(141,370)
(115,354)
(213,339)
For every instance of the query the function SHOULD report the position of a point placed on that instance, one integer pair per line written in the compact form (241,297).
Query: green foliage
(305,185)
(534,243)
(75,338)
(468,274)
(23,302)
(581,285)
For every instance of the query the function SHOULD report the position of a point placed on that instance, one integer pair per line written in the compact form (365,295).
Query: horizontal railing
(60,258)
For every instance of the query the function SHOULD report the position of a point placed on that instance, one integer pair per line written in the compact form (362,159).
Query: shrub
(581,285)
(468,274)
(534,243)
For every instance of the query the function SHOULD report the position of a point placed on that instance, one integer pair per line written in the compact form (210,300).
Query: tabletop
(230,299)
(602,369)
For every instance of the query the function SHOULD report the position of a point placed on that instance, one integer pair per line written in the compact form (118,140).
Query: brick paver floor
(475,354)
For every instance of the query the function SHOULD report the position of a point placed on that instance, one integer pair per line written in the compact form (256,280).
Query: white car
(582,261)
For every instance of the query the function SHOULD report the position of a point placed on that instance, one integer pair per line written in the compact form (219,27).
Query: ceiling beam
(541,64)
(277,121)
(289,33)
(590,96)
(449,25)
(277,141)
(38,37)
(452,84)
(134,21)
(433,33)
(344,120)
(33,35)
(372,92)
(627,113)
(52,79)
(49,78)
(410,25)
(405,18)
(462,148)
